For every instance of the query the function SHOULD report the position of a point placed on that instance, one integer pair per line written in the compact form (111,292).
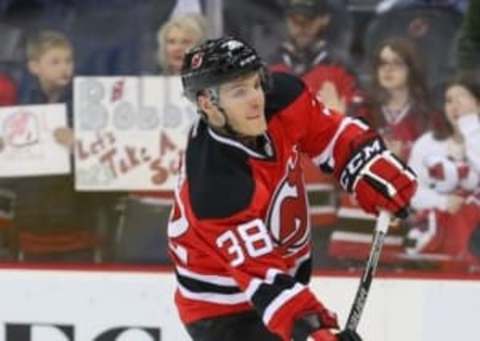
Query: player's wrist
(323,335)
(306,325)
(311,323)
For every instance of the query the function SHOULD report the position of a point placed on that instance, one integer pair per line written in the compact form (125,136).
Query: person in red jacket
(8,96)
(8,91)
(239,233)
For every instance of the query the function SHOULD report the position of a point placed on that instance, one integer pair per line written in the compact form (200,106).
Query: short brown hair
(45,40)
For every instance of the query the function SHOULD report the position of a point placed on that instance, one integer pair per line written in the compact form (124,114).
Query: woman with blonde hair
(175,37)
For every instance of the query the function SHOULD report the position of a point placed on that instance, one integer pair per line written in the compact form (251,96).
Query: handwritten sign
(130,132)
(29,147)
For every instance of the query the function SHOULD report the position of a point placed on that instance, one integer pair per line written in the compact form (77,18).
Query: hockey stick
(381,229)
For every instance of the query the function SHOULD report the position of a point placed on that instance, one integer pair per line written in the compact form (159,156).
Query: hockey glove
(378,179)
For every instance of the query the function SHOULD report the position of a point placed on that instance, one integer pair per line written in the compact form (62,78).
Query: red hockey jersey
(239,233)
(322,68)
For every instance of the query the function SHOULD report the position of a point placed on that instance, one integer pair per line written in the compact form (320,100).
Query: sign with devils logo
(287,216)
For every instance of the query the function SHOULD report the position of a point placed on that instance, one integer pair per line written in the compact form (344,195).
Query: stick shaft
(381,229)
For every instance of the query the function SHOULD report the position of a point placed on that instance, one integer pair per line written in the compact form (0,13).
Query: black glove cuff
(305,326)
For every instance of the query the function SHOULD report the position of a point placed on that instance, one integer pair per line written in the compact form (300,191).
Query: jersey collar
(268,151)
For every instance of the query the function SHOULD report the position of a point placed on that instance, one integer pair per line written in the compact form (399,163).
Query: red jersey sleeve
(328,137)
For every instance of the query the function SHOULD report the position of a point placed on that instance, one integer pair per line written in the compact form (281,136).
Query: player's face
(459,101)
(304,30)
(243,100)
(54,67)
(178,41)
(392,71)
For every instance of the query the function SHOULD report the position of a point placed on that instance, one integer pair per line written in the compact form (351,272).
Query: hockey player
(239,233)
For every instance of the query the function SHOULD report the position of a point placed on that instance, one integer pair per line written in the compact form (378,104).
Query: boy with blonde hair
(50,60)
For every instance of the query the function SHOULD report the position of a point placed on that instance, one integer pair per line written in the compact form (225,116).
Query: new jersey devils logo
(287,218)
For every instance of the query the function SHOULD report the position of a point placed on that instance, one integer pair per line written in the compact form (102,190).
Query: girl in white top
(447,162)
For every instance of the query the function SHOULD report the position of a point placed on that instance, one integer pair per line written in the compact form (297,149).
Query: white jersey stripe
(211,279)
(236,144)
(326,155)
(253,287)
(280,300)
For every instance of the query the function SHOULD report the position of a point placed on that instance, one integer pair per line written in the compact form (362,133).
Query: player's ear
(204,103)
(213,115)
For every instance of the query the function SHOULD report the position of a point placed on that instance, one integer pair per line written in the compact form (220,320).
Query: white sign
(29,147)
(131,132)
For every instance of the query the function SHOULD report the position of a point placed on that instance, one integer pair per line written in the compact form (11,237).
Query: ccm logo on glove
(360,159)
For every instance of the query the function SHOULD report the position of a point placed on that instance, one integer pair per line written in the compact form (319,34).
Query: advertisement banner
(88,306)
(50,305)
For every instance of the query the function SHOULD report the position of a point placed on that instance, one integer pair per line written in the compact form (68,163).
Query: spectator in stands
(50,215)
(431,27)
(469,38)
(50,62)
(400,106)
(8,91)
(399,110)
(145,214)
(308,53)
(8,96)
(174,38)
(447,161)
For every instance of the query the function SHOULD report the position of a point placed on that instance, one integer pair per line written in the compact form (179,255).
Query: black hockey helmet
(216,61)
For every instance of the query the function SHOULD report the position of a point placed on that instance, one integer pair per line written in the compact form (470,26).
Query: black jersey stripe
(304,272)
(267,292)
(198,286)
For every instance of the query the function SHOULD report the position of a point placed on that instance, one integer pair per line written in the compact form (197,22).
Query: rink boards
(114,305)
